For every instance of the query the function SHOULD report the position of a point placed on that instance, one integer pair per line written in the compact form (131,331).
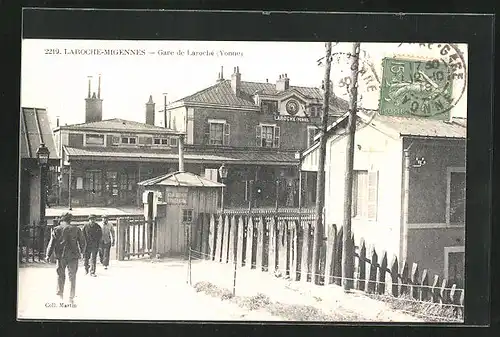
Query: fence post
(294,265)
(415,286)
(282,247)
(362,265)
(338,257)
(211,238)
(249,250)
(232,239)
(218,244)
(260,244)
(373,271)
(121,242)
(330,254)
(395,276)
(424,292)
(271,260)
(239,243)
(381,274)
(225,239)
(435,289)
(444,292)
(304,269)
(404,279)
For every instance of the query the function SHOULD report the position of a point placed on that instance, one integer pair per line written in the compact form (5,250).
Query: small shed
(181,197)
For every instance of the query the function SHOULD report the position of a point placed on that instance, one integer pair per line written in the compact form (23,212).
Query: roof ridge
(202,90)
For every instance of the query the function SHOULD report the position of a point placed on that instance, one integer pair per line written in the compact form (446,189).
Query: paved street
(79,211)
(128,290)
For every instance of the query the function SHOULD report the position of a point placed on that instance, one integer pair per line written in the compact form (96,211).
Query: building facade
(103,160)
(255,129)
(411,208)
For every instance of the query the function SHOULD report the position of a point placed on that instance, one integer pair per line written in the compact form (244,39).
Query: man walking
(67,243)
(93,234)
(107,241)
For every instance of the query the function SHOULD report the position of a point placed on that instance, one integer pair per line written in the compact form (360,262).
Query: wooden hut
(181,197)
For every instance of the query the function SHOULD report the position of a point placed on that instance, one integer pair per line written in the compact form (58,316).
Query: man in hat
(67,243)
(107,241)
(93,234)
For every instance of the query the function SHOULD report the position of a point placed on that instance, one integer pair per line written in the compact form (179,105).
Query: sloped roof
(221,93)
(424,127)
(402,127)
(118,124)
(182,179)
(35,129)
(190,155)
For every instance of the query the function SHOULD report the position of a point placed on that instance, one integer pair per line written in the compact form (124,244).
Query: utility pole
(320,182)
(348,253)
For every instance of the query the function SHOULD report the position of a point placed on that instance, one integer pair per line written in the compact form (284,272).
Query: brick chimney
(236,80)
(283,83)
(220,76)
(93,104)
(150,111)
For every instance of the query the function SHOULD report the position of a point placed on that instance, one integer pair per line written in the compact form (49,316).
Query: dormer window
(269,107)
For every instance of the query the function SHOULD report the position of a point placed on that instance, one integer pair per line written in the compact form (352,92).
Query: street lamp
(223,175)
(42,155)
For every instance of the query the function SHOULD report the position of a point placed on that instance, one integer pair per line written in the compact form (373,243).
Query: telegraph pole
(320,182)
(347,248)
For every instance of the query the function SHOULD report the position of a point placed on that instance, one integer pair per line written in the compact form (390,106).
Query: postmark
(429,81)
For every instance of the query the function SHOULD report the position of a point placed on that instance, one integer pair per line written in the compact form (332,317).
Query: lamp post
(42,155)
(223,175)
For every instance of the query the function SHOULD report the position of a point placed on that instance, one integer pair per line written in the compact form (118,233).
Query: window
(365,194)
(267,136)
(455,203)
(187,215)
(79,183)
(173,141)
(269,107)
(92,139)
(93,181)
(127,181)
(312,131)
(161,141)
(218,132)
(129,140)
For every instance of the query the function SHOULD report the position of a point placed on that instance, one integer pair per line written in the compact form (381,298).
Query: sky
(59,82)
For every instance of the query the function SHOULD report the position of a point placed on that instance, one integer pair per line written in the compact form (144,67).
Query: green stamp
(424,88)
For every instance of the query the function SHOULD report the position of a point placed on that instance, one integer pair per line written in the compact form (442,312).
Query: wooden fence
(134,237)
(282,244)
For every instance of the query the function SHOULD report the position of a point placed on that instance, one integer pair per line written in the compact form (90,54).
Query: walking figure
(67,242)
(93,234)
(107,241)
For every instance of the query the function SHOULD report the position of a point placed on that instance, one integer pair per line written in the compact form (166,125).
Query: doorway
(454,265)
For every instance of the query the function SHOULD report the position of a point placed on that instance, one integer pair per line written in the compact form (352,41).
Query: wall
(293,135)
(426,247)
(377,152)
(428,187)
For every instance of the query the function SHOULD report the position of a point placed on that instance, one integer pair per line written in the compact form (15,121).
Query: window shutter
(258,135)
(276,136)
(372,195)
(207,133)
(227,132)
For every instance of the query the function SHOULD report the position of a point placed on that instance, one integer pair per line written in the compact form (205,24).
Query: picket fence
(281,243)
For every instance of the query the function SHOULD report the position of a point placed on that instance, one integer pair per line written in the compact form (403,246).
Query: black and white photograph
(273,181)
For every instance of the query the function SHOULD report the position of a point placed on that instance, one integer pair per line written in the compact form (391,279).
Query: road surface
(128,290)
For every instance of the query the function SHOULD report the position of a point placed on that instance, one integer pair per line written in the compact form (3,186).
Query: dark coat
(66,242)
(93,235)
